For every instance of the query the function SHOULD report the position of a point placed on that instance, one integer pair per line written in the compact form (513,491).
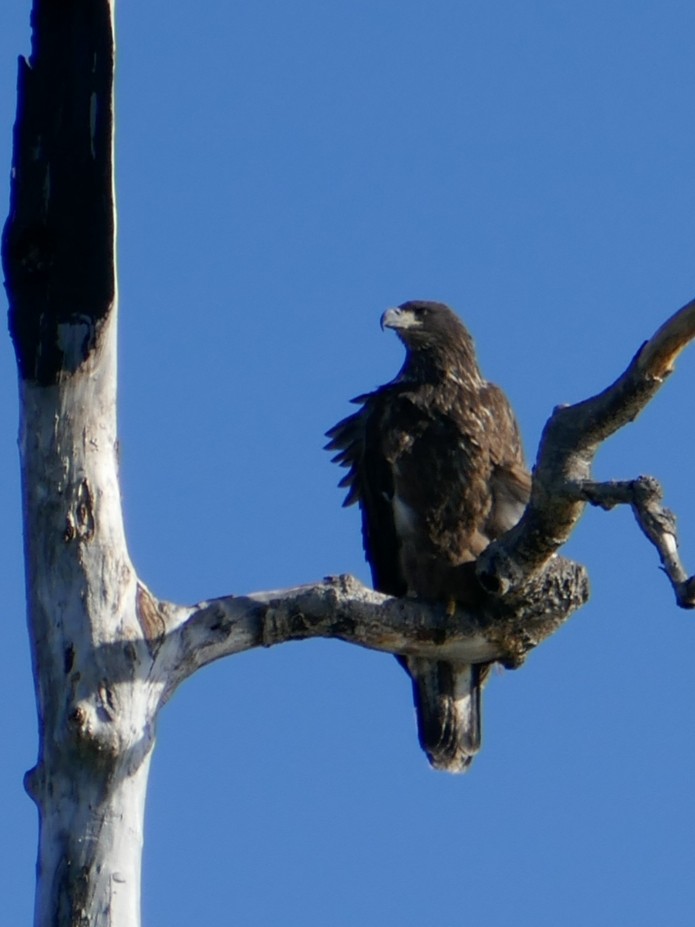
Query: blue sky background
(285,172)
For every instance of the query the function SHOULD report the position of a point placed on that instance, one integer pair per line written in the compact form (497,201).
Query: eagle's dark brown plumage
(436,464)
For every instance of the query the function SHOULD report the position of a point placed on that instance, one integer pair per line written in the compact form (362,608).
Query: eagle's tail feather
(447,704)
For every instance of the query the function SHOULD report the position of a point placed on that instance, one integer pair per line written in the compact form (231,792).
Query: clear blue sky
(285,172)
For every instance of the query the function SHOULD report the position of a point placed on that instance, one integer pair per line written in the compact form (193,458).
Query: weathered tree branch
(568,445)
(341,607)
(658,523)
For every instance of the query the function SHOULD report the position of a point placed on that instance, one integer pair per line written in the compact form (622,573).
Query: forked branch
(562,482)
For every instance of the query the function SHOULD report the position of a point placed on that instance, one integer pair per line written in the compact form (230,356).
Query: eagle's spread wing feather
(369,481)
(435,461)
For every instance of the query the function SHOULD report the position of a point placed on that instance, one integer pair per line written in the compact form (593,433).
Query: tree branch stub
(644,495)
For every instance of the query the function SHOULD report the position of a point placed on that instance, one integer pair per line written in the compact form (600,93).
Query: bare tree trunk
(91,662)
(90,657)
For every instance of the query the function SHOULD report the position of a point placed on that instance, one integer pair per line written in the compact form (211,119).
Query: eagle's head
(433,329)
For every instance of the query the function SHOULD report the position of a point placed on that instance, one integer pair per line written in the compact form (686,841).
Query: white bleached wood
(95,703)
(341,607)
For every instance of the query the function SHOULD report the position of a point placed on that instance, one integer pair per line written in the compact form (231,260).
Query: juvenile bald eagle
(436,464)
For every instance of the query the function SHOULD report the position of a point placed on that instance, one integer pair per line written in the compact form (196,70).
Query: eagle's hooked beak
(398,318)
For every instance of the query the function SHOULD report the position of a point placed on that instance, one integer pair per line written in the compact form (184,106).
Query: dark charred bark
(58,242)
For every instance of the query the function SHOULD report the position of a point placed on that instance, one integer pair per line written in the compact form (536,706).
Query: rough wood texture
(341,607)
(568,446)
(644,495)
(89,654)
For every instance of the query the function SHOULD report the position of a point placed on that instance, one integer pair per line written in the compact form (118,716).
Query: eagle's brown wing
(369,481)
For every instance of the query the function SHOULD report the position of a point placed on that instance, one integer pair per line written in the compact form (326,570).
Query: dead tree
(106,653)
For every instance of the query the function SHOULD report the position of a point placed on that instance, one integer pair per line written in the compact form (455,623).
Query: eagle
(435,462)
